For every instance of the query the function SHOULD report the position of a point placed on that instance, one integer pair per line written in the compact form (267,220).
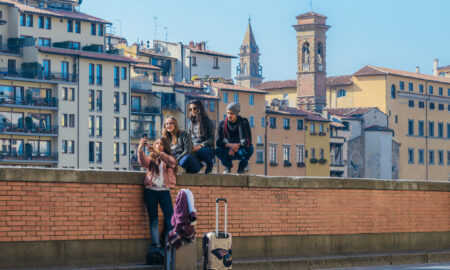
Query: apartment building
(64,101)
(418,109)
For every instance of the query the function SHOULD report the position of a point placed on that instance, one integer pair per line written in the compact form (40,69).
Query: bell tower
(249,71)
(311,61)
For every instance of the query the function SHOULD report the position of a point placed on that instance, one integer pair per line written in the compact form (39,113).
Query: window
(321,129)
(448,157)
(259,140)
(448,131)
(313,152)
(273,153)
(123,75)
(321,153)
(236,97)
(64,146)
(440,130)
(421,104)
(299,124)
(123,123)
(440,157)
(64,93)
(259,156)
(100,30)
(421,156)
(99,100)
(91,151)
(22,19)
(116,127)
(93,29)
(44,42)
(124,98)
(300,150)
(448,92)
(41,22)
(441,107)
(421,88)
(263,122)
(48,23)
(410,156)
(30,20)
(341,93)
(71,146)
(77,27)
(286,153)
(216,63)
(431,105)
(402,85)
(410,87)
(441,91)
(393,94)
(98,152)
(71,94)
(430,89)
(211,106)
(64,120)
(272,122)
(71,120)
(431,128)
(194,61)
(312,128)
(116,153)
(91,125)
(99,75)
(116,102)
(69,26)
(411,103)
(421,128)
(252,121)
(431,157)
(286,123)
(251,99)
(98,126)
(124,149)
(91,100)
(64,71)
(410,127)
(225,97)
(116,77)
(47,68)
(91,73)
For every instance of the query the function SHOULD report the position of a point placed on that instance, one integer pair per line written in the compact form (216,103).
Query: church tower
(311,61)
(249,71)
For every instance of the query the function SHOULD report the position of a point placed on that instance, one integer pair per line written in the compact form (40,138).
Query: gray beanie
(234,107)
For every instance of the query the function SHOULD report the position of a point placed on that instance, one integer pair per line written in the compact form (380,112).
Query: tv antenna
(311,4)
(156,25)
(165,30)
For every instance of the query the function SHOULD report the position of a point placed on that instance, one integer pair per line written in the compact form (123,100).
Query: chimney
(191,44)
(201,45)
(435,67)
(417,69)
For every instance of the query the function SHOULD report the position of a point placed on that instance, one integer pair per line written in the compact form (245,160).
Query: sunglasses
(193,109)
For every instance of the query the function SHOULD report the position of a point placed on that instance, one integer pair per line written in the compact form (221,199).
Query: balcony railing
(137,134)
(49,130)
(38,75)
(145,110)
(39,102)
(15,157)
(9,49)
(170,106)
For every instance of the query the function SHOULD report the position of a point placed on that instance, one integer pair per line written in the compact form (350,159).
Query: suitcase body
(217,251)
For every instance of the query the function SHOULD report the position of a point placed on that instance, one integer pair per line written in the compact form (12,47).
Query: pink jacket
(169,165)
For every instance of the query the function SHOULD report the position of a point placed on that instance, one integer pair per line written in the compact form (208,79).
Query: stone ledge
(136,178)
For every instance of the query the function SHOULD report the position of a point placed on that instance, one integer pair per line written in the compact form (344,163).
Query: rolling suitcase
(217,245)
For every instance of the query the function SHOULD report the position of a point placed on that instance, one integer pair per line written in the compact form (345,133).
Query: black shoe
(208,169)
(241,170)
(227,170)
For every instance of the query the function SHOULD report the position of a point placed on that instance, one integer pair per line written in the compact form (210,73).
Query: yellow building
(317,141)
(418,107)
(286,91)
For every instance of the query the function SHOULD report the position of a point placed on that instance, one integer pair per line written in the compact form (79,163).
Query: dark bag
(155,255)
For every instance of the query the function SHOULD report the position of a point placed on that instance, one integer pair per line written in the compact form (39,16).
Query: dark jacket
(183,146)
(242,134)
(208,136)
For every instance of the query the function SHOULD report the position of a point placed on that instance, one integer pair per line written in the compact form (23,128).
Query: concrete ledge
(136,178)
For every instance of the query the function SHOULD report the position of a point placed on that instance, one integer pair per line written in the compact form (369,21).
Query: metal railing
(145,110)
(137,134)
(33,102)
(170,106)
(19,157)
(49,130)
(38,75)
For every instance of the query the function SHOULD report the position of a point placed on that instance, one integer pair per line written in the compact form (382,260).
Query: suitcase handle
(217,217)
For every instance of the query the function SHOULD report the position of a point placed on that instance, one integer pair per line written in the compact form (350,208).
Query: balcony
(30,131)
(145,110)
(38,75)
(4,48)
(170,106)
(20,158)
(337,140)
(28,103)
(141,86)
(137,134)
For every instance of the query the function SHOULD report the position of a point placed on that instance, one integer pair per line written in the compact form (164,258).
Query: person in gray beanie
(234,139)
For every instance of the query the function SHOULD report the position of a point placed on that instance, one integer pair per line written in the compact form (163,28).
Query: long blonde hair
(176,131)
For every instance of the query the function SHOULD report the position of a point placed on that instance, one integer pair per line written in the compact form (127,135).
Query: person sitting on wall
(201,129)
(234,139)
(181,145)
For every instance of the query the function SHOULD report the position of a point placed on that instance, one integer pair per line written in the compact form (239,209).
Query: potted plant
(313,160)
(300,164)
(322,161)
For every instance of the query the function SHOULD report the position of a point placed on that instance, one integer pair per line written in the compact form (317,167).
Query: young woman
(181,145)
(201,129)
(161,176)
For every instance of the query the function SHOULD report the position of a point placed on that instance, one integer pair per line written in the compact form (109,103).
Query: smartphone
(144,136)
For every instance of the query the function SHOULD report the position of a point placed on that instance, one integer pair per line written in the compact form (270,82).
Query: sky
(399,34)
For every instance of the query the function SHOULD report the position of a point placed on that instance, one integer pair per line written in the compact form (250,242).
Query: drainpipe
(182,61)
(265,144)
(78,112)
(129,116)
(426,131)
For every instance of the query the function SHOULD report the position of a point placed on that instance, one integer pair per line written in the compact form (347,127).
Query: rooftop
(232,87)
(373,70)
(86,54)
(297,112)
(350,111)
(273,85)
(339,80)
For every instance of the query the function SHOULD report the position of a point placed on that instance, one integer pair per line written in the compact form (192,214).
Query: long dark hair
(154,166)
(202,117)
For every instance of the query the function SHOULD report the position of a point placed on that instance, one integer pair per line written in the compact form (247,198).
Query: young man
(234,139)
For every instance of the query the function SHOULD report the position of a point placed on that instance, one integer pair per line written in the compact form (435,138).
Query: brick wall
(37,209)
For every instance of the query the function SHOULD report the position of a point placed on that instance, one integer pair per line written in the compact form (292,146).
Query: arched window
(245,69)
(393,93)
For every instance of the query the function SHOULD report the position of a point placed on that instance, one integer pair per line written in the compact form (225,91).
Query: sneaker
(208,169)
(227,170)
(241,170)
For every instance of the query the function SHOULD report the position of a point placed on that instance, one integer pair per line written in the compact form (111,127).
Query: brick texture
(31,211)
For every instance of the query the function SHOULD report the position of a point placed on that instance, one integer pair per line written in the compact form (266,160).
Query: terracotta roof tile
(196,50)
(56,13)
(339,80)
(150,53)
(86,54)
(310,14)
(146,66)
(298,112)
(233,87)
(372,70)
(277,85)
(348,112)
(378,128)
(193,95)
(188,85)
(444,68)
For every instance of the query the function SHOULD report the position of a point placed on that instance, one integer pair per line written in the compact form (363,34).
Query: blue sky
(400,34)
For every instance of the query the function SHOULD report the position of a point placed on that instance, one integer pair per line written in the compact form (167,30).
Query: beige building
(418,107)
(64,102)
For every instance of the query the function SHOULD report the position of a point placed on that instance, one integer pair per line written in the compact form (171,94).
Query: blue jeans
(243,154)
(190,164)
(151,199)
(206,154)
